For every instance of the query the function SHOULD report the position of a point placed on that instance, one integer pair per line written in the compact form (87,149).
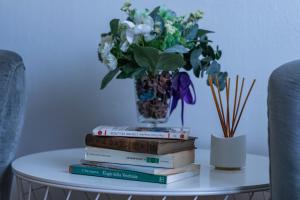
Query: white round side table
(50,169)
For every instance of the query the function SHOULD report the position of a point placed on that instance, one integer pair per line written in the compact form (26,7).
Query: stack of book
(158,155)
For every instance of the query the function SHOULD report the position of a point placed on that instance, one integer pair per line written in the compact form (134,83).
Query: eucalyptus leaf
(209,51)
(170,61)
(155,12)
(108,77)
(192,32)
(214,68)
(114,26)
(206,61)
(194,59)
(197,71)
(159,23)
(146,57)
(222,76)
(177,49)
(202,73)
(218,53)
(202,32)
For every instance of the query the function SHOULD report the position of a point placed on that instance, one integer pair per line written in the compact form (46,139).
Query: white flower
(143,26)
(169,27)
(104,49)
(124,46)
(143,18)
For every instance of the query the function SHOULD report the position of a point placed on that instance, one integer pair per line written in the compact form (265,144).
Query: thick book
(140,145)
(143,169)
(128,175)
(172,160)
(143,132)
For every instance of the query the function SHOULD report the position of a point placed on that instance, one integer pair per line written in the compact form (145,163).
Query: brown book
(141,145)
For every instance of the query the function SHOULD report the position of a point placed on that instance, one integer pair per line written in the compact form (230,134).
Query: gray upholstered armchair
(284,131)
(12,85)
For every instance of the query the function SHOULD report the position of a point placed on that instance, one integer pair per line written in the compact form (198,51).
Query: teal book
(128,175)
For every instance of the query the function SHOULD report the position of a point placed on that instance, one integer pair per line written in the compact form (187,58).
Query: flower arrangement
(150,42)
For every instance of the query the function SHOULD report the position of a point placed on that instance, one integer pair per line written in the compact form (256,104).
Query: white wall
(58,41)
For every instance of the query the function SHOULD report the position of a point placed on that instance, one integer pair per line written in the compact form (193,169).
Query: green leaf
(108,77)
(114,26)
(170,61)
(218,53)
(146,57)
(123,75)
(139,73)
(129,68)
(202,32)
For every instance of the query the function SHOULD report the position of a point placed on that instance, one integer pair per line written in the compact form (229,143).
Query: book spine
(123,157)
(141,134)
(117,174)
(123,144)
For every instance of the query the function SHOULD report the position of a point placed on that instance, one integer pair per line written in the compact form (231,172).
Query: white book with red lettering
(143,132)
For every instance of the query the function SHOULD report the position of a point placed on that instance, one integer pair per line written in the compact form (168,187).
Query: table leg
(34,191)
(251,195)
(97,197)
(20,195)
(130,197)
(87,196)
(226,197)
(29,191)
(46,193)
(164,198)
(69,194)
(196,198)
(22,189)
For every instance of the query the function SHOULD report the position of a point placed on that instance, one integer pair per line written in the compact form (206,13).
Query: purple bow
(181,83)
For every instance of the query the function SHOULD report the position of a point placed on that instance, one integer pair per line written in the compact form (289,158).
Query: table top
(51,168)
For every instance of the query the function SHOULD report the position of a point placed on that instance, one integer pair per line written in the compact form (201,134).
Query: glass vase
(153,97)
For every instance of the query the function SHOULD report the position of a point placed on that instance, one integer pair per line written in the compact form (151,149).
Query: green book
(128,175)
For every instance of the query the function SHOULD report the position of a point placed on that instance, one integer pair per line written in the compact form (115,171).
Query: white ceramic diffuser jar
(228,153)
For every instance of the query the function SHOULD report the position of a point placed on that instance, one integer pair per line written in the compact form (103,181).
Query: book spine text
(117,174)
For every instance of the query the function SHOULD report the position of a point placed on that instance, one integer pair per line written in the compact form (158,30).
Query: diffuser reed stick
(234,105)
(244,104)
(220,100)
(228,109)
(229,125)
(217,106)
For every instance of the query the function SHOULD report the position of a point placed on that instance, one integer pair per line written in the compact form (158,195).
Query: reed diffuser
(229,152)
(230,121)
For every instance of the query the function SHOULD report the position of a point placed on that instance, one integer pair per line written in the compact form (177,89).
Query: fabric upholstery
(12,96)
(284,131)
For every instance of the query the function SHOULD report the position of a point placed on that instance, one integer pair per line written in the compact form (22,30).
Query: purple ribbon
(181,84)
